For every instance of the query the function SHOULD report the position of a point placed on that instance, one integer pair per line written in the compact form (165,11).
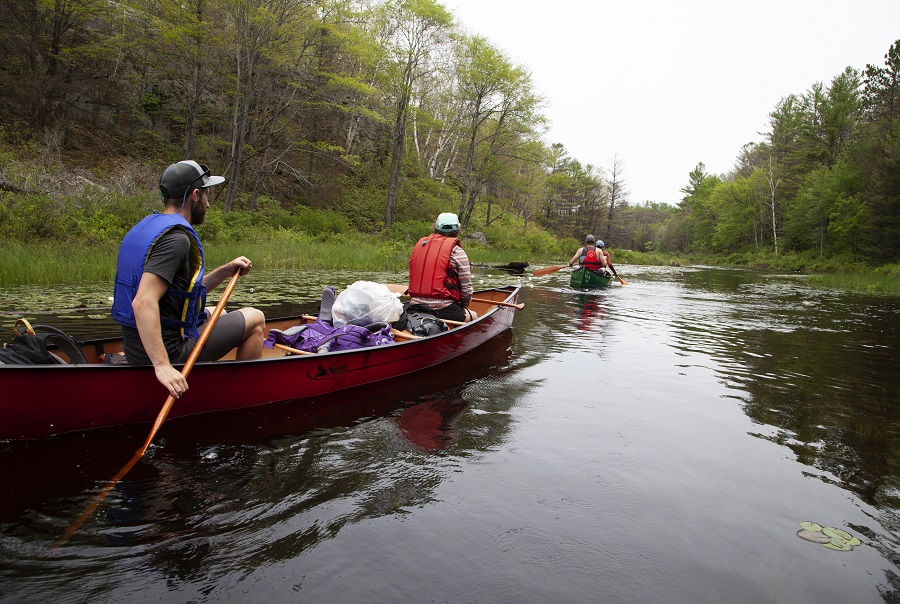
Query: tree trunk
(396,159)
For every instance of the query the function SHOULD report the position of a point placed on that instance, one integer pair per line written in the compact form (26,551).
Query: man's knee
(254,321)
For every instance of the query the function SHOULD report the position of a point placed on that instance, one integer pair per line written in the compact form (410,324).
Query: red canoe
(42,400)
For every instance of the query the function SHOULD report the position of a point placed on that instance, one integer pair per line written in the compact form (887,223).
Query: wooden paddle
(518,306)
(540,272)
(192,358)
(621,280)
(287,348)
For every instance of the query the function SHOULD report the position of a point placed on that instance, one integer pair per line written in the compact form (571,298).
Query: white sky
(666,85)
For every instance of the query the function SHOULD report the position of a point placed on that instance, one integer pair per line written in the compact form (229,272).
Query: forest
(372,116)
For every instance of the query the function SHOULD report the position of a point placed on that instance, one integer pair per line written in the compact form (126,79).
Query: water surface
(656,442)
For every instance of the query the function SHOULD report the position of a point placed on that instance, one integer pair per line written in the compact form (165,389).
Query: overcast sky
(665,85)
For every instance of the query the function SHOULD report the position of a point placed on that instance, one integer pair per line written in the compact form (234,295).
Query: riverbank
(840,273)
(53,264)
(71,264)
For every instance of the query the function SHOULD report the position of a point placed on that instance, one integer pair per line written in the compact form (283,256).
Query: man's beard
(198,212)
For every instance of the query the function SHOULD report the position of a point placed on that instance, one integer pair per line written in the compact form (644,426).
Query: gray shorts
(228,333)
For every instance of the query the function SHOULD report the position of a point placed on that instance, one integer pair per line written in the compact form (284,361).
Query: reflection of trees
(817,370)
(820,369)
(300,491)
(827,406)
(260,485)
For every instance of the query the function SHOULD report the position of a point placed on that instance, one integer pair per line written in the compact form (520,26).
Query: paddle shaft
(519,306)
(192,359)
(163,413)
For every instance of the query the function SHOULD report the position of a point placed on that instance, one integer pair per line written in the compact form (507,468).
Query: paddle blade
(540,272)
(623,281)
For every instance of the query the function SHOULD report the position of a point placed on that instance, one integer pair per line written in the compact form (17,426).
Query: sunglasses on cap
(203,175)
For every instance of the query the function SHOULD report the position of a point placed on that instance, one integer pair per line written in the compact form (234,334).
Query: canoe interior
(95,351)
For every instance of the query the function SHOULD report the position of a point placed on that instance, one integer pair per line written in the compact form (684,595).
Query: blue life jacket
(133,254)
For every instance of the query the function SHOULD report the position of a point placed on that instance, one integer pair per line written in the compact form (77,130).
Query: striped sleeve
(461,262)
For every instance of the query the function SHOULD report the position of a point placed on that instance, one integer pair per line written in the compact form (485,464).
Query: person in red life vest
(161,284)
(592,256)
(440,274)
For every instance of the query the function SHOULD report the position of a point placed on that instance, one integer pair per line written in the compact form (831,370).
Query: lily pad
(838,544)
(836,532)
(814,536)
(810,526)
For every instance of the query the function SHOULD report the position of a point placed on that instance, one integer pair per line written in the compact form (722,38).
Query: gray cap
(182,177)
(589,239)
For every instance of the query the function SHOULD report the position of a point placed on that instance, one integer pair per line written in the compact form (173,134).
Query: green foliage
(504,234)
(364,206)
(422,198)
(410,231)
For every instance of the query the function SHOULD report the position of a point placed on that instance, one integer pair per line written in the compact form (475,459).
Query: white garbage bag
(365,302)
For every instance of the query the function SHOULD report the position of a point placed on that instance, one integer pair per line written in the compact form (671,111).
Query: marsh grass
(884,280)
(49,264)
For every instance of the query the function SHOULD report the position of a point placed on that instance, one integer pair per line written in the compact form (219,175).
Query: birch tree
(418,29)
(501,112)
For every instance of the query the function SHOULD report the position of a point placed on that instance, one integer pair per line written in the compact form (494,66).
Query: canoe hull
(44,400)
(583,278)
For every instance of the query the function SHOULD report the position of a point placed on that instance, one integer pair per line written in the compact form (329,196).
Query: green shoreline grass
(47,264)
(55,264)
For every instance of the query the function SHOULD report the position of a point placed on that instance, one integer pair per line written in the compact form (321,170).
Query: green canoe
(583,278)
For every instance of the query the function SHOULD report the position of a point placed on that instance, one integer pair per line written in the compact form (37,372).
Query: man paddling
(592,256)
(161,285)
(440,274)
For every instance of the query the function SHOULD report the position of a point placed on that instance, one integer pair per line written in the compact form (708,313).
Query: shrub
(410,231)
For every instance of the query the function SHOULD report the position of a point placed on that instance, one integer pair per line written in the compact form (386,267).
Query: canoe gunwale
(42,400)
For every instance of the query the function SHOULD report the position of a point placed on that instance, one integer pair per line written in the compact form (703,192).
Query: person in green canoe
(592,256)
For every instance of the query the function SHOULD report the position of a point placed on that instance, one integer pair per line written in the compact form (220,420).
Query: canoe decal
(326,373)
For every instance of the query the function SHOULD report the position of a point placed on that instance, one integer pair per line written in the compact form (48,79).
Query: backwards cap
(182,177)
(447,223)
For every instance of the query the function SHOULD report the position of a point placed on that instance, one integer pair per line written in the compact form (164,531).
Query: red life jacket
(431,275)
(589,258)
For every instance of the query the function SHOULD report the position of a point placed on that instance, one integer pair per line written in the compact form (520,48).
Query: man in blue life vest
(161,284)
(440,274)
(592,256)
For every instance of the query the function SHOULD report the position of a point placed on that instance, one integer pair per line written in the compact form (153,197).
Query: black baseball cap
(182,177)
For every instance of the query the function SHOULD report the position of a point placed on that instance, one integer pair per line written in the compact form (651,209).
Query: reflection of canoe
(583,278)
(79,458)
(40,400)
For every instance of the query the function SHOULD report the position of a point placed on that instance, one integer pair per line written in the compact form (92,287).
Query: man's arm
(214,278)
(146,314)
(575,257)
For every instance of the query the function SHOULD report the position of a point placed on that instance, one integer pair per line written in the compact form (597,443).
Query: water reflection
(589,310)
(612,442)
(810,364)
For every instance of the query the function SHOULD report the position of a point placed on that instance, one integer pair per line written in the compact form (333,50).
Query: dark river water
(660,442)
